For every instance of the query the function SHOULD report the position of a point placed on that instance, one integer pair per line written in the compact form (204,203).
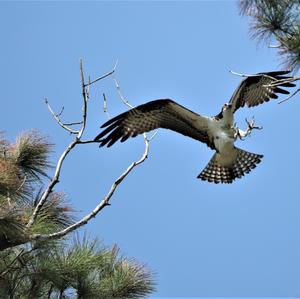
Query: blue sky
(201,239)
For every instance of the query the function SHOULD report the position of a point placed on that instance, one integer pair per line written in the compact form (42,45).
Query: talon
(251,126)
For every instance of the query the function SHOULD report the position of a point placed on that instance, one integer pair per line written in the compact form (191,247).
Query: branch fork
(78,140)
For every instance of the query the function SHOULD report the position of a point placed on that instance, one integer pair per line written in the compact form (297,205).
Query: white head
(225,112)
(226,106)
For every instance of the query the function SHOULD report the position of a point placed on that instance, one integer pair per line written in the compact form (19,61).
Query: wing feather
(260,88)
(162,113)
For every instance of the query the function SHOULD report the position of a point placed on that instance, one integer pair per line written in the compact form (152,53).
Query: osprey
(218,132)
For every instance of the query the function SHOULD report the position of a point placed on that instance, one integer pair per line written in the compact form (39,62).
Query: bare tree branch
(73,124)
(105,201)
(53,182)
(125,102)
(55,178)
(105,106)
(84,99)
(289,97)
(278,82)
(282,81)
(100,206)
(274,46)
(250,75)
(241,75)
(61,111)
(56,117)
(275,83)
(104,76)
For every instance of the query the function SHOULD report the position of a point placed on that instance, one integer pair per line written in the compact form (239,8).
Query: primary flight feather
(218,132)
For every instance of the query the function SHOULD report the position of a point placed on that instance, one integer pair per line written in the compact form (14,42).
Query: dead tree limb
(56,117)
(105,201)
(79,133)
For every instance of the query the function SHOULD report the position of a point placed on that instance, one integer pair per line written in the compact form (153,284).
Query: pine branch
(31,154)
(279,20)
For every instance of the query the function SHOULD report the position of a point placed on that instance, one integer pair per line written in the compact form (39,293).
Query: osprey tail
(225,169)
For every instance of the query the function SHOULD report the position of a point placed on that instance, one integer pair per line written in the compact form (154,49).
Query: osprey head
(226,106)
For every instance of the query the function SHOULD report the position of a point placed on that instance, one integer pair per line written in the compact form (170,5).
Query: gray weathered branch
(102,77)
(290,96)
(55,178)
(56,117)
(105,201)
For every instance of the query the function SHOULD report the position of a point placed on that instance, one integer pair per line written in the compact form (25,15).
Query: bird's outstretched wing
(162,113)
(260,88)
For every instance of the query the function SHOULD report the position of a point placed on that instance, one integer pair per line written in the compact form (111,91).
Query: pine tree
(278,22)
(31,268)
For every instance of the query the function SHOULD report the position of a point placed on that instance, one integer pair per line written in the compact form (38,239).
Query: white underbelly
(223,135)
(223,143)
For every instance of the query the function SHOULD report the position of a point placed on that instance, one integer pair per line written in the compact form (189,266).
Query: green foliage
(22,164)
(56,214)
(12,227)
(83,269)
(60,268)
(279,21)
(30,154)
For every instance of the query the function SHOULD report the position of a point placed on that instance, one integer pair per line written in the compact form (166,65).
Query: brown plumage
(217,171)
(257,89)
(162,113)
(218,132)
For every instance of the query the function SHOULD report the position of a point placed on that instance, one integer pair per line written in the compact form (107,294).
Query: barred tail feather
(218,172)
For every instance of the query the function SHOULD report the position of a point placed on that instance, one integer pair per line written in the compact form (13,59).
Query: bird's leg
(251,126)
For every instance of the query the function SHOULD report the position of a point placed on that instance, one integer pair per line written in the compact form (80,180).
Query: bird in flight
(217,132)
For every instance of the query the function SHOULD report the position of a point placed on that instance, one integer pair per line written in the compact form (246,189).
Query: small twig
(8,267)
(153,135)
(125,102)
(105,106)
(243,75)
(22,183)
(61,111)
(88,89)
(104,76)
(84,101)
(279,82)
(289,97)
(274,46)
(74,123)
(102,204)
(251,75)
(88,141)
(56,117)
